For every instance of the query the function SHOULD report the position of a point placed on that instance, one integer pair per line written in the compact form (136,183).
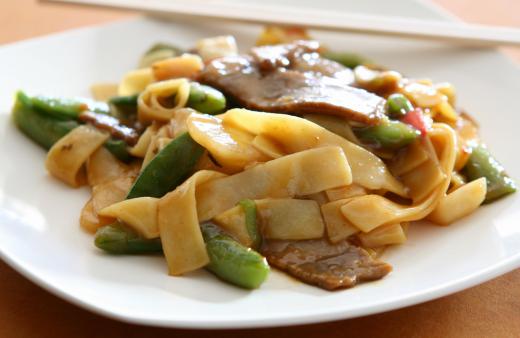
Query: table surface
(488,310)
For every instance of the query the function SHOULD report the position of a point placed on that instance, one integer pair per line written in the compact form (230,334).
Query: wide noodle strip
(371,211)
(384,235)
(298,174)
(293,134)
(66,159)
(279,218)
(141,147)
(338,227)
(231,147)
(102,166)
(139,213)
(179,228)
(135,82)
(160,100)
(186,65)
(459,203)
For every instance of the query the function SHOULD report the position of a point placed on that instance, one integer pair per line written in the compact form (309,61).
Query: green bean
(232,261)
(205,99)
(158,52)
(398,105)
(41,128)
(388,134)
(482,164)
(349,60)
(119,149)
(249,207)
(126,105)
(67,109)
(117,238)
(164,46)
(47,130)
(168,168)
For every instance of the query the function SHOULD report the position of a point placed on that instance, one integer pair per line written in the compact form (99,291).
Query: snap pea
(232,261)
(249,207)
(119,149)
(157,52)
(67,109)
(47,130)
(349,60)
(117,238)
(164,46)
(125,104)
(229,260)
(41,128)
(168,168)
(482,164)
(398,105)
(206,99)
(388,134)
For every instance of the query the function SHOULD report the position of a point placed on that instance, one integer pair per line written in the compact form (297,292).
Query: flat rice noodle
(371,211)
(319,197)
(278,218)
(141,147)
(150,106)
(102,167)
(186,65)
(66,159)
(345,192)
(423,179)
(409,158)
(111,192)
(337,125)
(179,228)
(460,202)
(295,134)
(384,235)
(135,81)
(231,148)
(298,174)
(338,227)
(233,221)
(90,221)
(290,219)
(138,213)
(267,146)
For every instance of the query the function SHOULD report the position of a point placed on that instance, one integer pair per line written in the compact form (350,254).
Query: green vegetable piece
(125,104)
(67,109)
(205,99)
(168,168)
(164,46)
(232,261)
(46,130)
(482,164)
(42,129)
(117,238)
(157,52)
(249,207)
(349,60)
(119,149)
(388,134)
(398,105)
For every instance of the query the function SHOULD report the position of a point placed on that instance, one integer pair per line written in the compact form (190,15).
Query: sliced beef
(112,125)
(292,79)
(329,266)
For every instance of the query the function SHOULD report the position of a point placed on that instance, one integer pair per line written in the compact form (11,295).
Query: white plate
(40,236)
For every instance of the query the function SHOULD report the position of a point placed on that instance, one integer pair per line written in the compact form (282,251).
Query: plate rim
(453,286)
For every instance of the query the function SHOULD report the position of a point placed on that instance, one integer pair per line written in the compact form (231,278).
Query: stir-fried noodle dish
(286,155)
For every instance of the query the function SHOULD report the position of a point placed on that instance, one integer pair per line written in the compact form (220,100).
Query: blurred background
(22,19)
